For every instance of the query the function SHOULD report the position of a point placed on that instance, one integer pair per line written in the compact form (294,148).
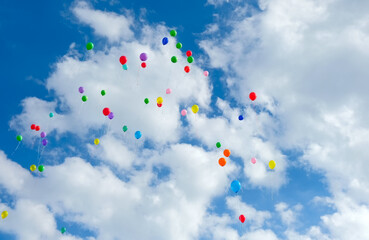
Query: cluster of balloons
(222,162)
(143,57)
(33,167)
(107,112)
(82,90)
(35,127)
(159,101)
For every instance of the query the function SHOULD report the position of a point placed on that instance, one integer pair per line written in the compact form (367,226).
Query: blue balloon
(138,134)
(240,117)
(235,186)
(165,41)
(125,67)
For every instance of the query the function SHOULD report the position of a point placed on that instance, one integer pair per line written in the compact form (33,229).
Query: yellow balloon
(195,108)
(96,141)
(272,164)
(33,168)
(159,100)
(4,214)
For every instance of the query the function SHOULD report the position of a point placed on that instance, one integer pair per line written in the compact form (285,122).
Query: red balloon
(252,96)
(143,65)
(123,60)
(33,126)
(37,128)
(188,53)
(242,218)
(187,69)
(159,104)
(106,111)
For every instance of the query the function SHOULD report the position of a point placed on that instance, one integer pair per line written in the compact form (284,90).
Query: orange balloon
(222,162)
(227,153)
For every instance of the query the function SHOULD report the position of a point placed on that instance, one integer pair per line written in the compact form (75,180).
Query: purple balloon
(111,115)
(44,141)
(43,134)
(81,89)
(143,56)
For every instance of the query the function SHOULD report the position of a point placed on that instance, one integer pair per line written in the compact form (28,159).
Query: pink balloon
(206,73)
(253,160)
(168,91)
(184,112)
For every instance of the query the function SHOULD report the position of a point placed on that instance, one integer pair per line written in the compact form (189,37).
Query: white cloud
(287,214)
(106,24)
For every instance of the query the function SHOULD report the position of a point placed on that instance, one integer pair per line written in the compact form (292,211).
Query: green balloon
(90,46)
(173,33)
(174,59)
(63,230)
(19,138)
(51,115)
(190,59)
(84,98)
(179,45)
(146,100)
(41,168)
(125,128)
(103,92)
(218,145)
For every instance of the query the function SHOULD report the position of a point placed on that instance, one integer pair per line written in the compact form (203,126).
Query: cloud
(106,24)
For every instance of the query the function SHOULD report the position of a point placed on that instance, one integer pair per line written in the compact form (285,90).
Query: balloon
(63,230)
(188,53)
(240,117)
(143,65)
(159,100)
(184,112)
(138,134)
(159,104)
(146,101)
(4,214)
(90,46)
(190,59)
(125,67)
(19,138)
(235,186)
(272,164)
(222,162)
(218,145)
(123,60)
(96,141)
(51,115)
(179,45)
(174,59)
(206,73)
(195,108)
(37,128)
(84,98)
(125,128)
(173,33)
(252,96)
(242,218)
(226,152)
(111,115)
(106,111)
(43,134)
(187,69)
(33,168)
(143,56)
(165,41)
(41,168)
(103,92)
(44,141)
(81,90)
(168,91)
(33,126)
(253,160)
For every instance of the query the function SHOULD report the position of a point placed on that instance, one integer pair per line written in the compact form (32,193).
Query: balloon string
(15,148)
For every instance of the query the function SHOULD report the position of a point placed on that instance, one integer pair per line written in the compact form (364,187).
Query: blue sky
(308,117)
